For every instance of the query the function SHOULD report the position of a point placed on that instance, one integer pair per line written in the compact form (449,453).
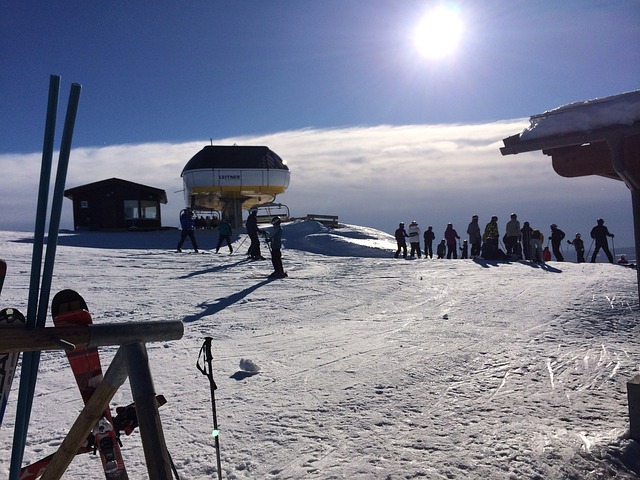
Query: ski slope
(370,367)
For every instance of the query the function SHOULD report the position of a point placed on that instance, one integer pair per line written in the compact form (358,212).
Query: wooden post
(633,398)
(114,377)
(144,396)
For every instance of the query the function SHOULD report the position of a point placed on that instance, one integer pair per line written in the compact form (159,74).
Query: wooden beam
(114,377)
(21,339)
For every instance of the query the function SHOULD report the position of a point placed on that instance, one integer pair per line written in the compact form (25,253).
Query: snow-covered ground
(370,367)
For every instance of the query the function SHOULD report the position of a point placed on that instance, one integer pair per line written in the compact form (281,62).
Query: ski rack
(131,360)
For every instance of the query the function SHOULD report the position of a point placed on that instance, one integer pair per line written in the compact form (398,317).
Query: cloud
(371,176)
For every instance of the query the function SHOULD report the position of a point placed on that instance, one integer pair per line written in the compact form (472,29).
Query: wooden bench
(328,220)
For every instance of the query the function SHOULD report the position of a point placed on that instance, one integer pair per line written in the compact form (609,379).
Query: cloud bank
(371,176)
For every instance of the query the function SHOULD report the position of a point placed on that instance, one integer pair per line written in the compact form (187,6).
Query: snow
(585,116)
(357,366)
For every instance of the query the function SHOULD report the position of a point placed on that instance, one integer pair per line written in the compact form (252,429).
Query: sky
(372,128)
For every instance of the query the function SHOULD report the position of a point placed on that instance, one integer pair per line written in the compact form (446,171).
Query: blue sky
(177,74)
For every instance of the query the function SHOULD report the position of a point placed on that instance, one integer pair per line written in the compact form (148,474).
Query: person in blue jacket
(224,234)
(188,224)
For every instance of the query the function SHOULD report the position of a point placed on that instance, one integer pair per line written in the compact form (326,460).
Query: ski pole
(241,243)
(206,369)
(589,251)
(613,246)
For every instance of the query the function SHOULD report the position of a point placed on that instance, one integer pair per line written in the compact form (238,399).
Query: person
(526,240)
(578,244)
(600,233)
(275,240)
(188,224)
(224,234)
(464,249)
(623,260)
(414,239)
(512,237)
(490,239)
(535,250)
(546,254)
(401,239)
(475,237)
(253,231)
(441,249)
(451,236)
(556,238)
(429,237)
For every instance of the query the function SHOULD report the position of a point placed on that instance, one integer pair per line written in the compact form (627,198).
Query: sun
(439,32)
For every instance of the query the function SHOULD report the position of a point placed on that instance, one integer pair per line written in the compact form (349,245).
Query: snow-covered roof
(585,116)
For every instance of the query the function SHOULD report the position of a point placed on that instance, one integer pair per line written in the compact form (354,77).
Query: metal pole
(144,396)
(207,370)
(23,411)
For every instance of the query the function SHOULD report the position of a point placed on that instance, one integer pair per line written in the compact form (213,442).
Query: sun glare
(438,33)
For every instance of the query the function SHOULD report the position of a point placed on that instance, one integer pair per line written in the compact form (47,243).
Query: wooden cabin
(116,204)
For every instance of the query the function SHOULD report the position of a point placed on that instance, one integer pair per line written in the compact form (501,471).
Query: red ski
(125,421)
(68,308)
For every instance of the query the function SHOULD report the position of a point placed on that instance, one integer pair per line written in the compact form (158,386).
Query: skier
(464,249)
(490,239)
(442,248)
(512,236)
(451,236)
(224,233)
(188,225)
(401,235)
(429,237)
(275,239)
(475,238)
(556,239)
(578,244)
(253,231)
(600,233)
(414,239)
(535,249)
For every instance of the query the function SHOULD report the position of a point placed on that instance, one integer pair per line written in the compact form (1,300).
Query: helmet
(553,225)
(401,224)
(513,215)
(600,221)
(494,217)
(475,217)
(276,220)
(253,211)
(577,235)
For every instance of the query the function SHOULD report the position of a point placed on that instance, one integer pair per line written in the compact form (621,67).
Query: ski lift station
(230,179)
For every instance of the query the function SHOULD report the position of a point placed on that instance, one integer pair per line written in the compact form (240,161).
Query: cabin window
(140,209)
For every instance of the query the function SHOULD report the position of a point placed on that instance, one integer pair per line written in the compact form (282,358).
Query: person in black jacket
(252,231)
(600,233)
(578,244)
(429,237)
(401,239)
(556,238)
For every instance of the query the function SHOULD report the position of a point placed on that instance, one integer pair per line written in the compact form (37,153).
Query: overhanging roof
(162,195)
(596,137)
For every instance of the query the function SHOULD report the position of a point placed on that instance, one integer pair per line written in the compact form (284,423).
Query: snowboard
(9,317)
(68,308)
(125,421)
(3,272)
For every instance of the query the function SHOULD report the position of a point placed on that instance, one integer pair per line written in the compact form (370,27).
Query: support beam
(114,377)
(20,339)
(144,396)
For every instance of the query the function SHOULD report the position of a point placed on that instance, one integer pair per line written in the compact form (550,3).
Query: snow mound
(248,365)
(346,241)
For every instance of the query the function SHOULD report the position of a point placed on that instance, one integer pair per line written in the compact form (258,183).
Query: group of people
(519,242)
(274,238)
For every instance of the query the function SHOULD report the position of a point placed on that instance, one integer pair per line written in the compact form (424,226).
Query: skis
(9,317)
(68,308)
(125,421)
